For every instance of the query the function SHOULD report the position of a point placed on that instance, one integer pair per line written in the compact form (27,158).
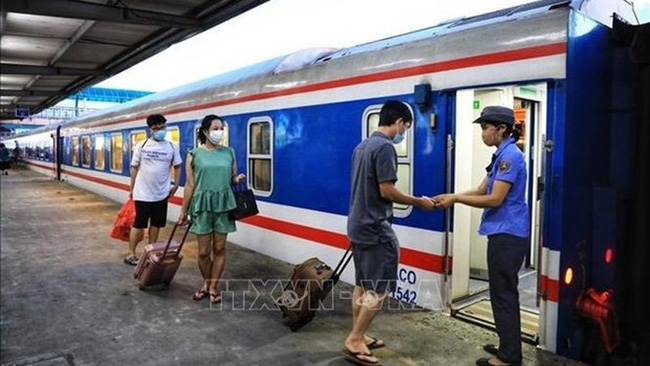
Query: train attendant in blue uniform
(505,222)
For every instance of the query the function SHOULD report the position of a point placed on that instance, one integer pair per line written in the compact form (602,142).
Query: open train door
(469,294)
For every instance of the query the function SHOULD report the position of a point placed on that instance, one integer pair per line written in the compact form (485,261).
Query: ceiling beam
(17,69)
(230,11)
(26,93)
(99,12)
(68,43)
(3,19)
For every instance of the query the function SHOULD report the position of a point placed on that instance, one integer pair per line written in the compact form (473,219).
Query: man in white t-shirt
(151,184)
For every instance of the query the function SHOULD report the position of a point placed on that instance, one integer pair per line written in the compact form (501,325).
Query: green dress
(212,197)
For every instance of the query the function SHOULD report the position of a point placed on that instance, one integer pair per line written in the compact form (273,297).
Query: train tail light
(599,308)
(609,255)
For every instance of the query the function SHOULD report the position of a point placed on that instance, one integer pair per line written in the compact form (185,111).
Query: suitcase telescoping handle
(341,266)
(171,236)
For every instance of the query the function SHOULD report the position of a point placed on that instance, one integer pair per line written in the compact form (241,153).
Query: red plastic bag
(124,221)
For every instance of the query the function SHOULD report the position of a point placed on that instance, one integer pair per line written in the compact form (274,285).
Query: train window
(260,157)
(99,152)
(47,152)
(404,156)
(173,135)
(116,152)
(261,171)
(85,149)
(197,141)
(373,124)
(260,142)
(75,151)
(224,140)
(135,138)
(403,181)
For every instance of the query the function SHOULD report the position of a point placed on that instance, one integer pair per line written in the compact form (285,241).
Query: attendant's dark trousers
(505,256)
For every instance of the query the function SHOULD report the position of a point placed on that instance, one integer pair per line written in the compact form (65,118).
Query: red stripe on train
(551,288)
(122,186)
(465,62)
(409,257)
(38,165)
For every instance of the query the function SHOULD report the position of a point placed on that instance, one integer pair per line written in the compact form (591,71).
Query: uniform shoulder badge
(504,166)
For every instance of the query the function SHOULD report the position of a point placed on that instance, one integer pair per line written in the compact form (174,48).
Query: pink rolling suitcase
(160,261)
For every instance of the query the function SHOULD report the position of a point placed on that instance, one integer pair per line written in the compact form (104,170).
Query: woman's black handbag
(246,205)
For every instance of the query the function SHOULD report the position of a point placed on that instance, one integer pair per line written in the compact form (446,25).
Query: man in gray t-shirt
(374,245)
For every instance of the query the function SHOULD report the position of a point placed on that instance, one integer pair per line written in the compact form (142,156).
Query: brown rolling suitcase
(160,261)
(309,284)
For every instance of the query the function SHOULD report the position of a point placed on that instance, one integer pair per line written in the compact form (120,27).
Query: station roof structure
(109,95)
(51,49)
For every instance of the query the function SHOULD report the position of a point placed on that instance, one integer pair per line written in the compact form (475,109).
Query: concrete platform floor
(67,299)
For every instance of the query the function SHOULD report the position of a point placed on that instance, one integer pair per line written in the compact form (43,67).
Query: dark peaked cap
(496,114)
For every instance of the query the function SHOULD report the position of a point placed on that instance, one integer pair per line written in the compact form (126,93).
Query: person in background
(211,169)
(375,248)
(16,153)
(505,222)
(5,159)
(151,182)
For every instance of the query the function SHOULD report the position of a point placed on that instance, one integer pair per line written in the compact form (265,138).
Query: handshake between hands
(441,201)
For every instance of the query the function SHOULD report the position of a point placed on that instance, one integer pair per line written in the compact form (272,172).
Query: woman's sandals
(200,294)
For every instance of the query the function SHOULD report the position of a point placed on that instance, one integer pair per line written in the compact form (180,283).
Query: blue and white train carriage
(293,122)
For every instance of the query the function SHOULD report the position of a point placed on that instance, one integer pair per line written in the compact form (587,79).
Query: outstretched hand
(426,204)
(443,201)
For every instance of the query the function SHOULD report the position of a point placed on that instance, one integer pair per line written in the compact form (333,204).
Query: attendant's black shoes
(486,362)
(491,349)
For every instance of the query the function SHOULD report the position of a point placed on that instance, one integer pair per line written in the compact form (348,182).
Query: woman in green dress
(211,169)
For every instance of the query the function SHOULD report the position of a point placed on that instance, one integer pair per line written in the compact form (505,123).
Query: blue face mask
(159,135)
(398,138)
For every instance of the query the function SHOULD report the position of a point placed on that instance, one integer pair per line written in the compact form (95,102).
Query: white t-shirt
(154,159)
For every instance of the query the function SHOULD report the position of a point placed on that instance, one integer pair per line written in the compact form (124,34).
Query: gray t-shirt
(369,220)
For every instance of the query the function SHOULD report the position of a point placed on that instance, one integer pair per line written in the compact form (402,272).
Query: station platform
(68,299)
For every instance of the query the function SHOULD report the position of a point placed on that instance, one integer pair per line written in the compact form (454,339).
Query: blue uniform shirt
(512,216)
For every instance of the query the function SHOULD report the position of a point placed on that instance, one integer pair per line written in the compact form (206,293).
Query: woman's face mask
(159,135)
(215,136)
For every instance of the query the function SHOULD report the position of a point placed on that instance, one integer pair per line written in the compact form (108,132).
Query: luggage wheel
(141,288)
(294,327)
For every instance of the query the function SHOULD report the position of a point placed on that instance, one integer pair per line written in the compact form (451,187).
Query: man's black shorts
(156,211)
(376,266)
